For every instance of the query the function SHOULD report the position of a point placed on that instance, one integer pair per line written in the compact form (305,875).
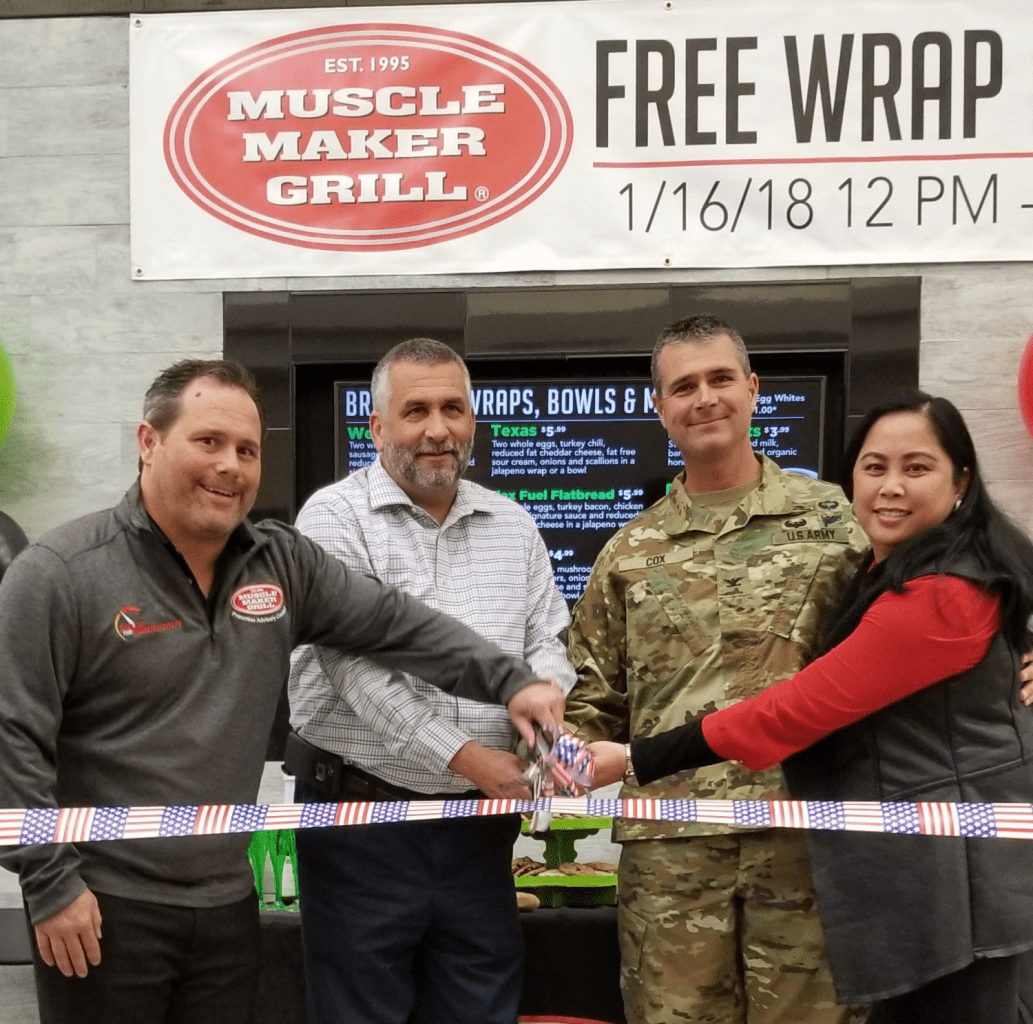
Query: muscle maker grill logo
(368,137)
(257,600)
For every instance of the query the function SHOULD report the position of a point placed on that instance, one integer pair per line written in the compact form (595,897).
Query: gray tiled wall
(84,338)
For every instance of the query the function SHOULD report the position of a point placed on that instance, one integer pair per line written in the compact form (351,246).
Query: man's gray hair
(420,351)
(697,329)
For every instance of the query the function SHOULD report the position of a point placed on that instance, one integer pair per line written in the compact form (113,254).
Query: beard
(403,463)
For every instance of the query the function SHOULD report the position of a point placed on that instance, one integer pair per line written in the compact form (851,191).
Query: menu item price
(561,553)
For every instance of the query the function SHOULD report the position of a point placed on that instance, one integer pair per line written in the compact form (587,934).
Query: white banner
(577,135)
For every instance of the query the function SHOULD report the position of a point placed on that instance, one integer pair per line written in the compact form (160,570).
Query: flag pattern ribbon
(561,766)
(99,824)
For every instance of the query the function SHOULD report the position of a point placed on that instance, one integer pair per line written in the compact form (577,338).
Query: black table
(572,966)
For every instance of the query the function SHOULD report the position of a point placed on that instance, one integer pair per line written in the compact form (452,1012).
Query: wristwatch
(629,771)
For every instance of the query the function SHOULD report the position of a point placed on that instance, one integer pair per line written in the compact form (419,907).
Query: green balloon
(6,394)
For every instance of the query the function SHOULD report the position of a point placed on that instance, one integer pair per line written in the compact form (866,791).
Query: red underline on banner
(761,161)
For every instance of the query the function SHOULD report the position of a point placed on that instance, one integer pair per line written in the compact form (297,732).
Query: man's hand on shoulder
(541,702)
(71,937)
(496,773)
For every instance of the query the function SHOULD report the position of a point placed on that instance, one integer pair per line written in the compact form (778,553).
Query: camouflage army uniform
(688,610)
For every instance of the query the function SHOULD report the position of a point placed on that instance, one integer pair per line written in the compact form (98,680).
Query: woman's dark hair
(977,529)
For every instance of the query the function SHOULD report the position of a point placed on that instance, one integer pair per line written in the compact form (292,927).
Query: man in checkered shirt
(418,921)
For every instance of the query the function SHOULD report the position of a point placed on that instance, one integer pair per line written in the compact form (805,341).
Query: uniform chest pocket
(669,615)
(768,592)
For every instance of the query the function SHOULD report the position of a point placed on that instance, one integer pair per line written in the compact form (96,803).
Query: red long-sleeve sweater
(938,627)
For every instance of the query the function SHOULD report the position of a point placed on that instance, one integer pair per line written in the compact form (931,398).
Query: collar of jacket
(773,496)
(132,514)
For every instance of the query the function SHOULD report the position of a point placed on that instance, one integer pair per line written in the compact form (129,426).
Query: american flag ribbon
(73,824)
(1012,821)
(939,819)
(353,814)
(213,819)
(501,806)
(11,826)
(862,817)
(427,810)
(279,816)
(716,812)
(137,822)
(789,814)
(100,824)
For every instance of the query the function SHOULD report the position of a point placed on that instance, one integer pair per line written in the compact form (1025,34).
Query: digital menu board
(585,455)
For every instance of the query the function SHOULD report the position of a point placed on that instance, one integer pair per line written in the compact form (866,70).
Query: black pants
(160,964)
(985,992)
(411,923)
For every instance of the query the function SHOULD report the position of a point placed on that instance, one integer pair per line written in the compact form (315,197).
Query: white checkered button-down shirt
(486,565)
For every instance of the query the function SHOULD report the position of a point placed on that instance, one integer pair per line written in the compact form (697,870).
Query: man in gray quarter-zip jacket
(142,653)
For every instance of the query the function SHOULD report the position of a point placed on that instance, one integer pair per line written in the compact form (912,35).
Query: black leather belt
(331,775)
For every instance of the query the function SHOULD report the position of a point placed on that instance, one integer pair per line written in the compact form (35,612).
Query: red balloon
(1026,386)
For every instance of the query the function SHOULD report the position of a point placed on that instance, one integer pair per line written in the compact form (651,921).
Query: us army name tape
(99,824)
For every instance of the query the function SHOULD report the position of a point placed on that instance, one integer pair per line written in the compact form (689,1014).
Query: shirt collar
(770,497)
(384,493)
(131,511)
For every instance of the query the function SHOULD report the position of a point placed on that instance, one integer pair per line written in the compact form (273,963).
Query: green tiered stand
(570,890)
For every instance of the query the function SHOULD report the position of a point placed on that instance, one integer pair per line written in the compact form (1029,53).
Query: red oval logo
(258,599)
(368,137)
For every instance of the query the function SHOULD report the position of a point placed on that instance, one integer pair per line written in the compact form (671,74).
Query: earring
(957,504)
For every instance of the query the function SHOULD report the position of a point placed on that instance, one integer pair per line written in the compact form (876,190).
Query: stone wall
(85,340)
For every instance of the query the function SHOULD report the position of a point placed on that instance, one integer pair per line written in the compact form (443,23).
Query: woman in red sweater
(916,698)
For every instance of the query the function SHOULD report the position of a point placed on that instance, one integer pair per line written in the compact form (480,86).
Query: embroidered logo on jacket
(258,601)
(129,624)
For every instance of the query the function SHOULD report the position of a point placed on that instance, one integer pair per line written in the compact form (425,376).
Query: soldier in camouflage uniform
(707,597)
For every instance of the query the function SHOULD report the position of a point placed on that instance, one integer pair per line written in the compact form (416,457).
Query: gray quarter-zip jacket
(122,685)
